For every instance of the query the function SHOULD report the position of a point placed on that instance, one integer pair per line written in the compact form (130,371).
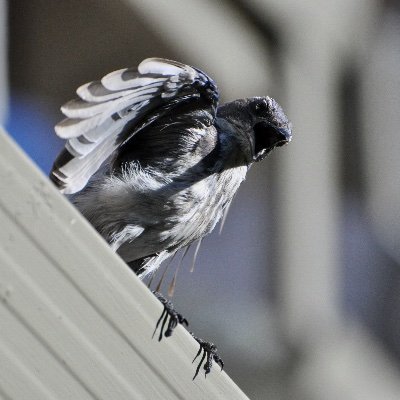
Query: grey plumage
(152,160)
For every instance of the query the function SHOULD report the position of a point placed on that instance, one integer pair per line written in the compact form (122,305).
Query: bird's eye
(261,108)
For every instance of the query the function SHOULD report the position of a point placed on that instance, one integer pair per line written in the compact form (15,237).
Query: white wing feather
(103,108)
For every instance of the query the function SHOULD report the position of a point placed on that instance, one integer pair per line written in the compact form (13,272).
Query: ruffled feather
(95,121)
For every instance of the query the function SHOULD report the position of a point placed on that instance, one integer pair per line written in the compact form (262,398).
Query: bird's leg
(208,350)
(169,312)
(211,352)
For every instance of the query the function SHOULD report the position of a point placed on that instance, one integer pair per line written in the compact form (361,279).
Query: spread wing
(109,112)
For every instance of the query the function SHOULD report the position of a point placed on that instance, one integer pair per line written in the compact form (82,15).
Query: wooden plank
(76,322)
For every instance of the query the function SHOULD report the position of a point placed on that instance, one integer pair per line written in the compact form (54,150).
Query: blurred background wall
(301,290)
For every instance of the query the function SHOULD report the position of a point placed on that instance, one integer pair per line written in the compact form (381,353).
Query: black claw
(163,325)
(219,361)
(210,351)
(158,322)
(198,353)
(169,320)
(168,312)
(199,365)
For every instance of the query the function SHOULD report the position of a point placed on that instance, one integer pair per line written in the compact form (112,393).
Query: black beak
(267,137)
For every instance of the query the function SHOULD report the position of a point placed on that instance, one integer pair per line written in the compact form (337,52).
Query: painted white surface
(76,323)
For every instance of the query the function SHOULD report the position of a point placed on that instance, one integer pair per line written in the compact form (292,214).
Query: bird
(153,161)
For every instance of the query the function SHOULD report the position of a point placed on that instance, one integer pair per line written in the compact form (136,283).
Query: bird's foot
(210,353)
(169,312)
(169,319)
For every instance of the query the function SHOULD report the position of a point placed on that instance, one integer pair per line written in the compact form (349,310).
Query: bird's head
(260,125)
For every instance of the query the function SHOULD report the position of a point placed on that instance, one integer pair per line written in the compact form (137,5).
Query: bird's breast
(199,206)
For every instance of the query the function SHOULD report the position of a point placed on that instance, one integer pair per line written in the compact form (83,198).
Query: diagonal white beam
(214,37)
(75,321)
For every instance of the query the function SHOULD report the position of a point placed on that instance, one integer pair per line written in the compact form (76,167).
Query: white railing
(75,322)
